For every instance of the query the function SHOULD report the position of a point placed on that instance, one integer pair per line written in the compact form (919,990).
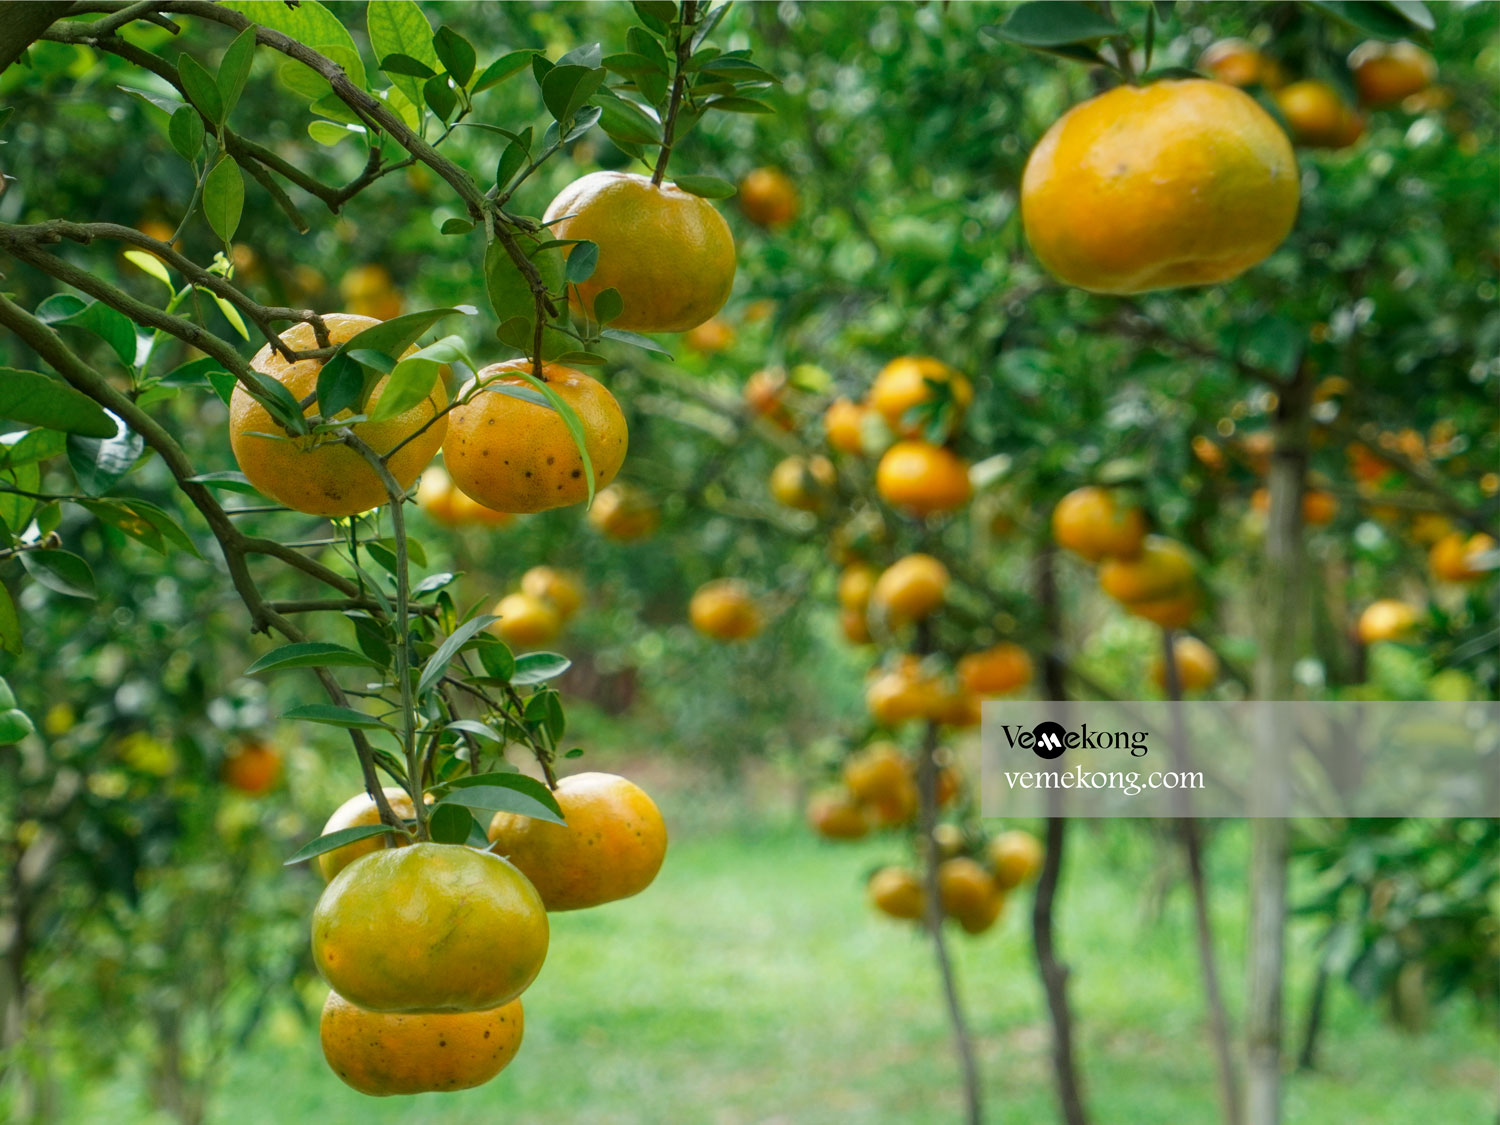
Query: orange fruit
(914,380)
(855,626)
(948,839)
(370,291)
(880,780)
(803,483)
(358,811)
(1091,523)
(624,512)
(611,847)
(385,1053)
(437,496)
(843,423)
(668,254)
(922,479)
(1385,73)
(1428,527)
(254,768)
(1015,858)
(429,928)
(1182,182)
(856,584)
(1208,453)
(724,610)
(515,456)
(1163,569)
(1316,114)
(563,591)
(526,621)
(768,197)
(835,817)
(964,887)
(985,913)
(314,474)
(713,335)
(910,589)
(1388,619)
(947,786)
(1319,506)
(1197,666)
(1451,557)
(906,692)
(1236,62)
(1172,612)
(897,891)
(995,671)
(765,395)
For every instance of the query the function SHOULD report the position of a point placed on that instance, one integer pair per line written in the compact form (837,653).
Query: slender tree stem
(683,53)
(1192,846)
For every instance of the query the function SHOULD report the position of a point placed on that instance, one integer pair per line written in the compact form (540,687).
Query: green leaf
(144,521)
(630,64)
(656,14)
(456,53)
(511,297)
(310,654)
(581,262)
(234,69)
(406,66)
(1383,21)
(224,199)
(608,305)
(567,87)
(61,571)
(32,445)
(186,133)
(15,509)
(150,264)
(309,22)
(327,134)
(477,729)
(450,824)
(1415,12)
(437,664)
(634,339)
(100,463)
(497,659)
(625,121)
(503,792)
(734,104)
(709,187)
(1053,23)
(113,327)
(411,381)
(201,88)
(539,667)
(229,481)
(512,160)
(438,93)
(398,27)
(455,225)
(10,624)
(335,840)
(329,715)
(344,383)
(502,68)
(34,399)
(15,725)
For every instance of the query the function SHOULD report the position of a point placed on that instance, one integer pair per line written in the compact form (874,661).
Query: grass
(752,984)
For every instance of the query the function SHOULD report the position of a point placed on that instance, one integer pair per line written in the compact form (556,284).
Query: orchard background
(187,660)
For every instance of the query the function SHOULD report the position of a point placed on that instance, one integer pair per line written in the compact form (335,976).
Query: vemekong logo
(1049,740)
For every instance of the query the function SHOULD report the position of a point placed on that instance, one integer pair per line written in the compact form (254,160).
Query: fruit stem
(402,623)
(683,50)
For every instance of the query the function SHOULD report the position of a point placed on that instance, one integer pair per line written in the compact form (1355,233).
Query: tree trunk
(963,1043)
(1053,972)
(1282,599)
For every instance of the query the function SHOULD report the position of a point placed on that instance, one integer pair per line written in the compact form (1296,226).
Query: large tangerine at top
(1153,187)
(668,253)
(328,479)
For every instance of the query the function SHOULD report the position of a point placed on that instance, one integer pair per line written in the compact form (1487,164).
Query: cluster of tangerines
(428,947)
(1316,112)
(974,874)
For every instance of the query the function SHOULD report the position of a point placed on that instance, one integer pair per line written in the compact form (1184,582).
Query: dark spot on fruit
(487,1034)
(528,472)
(550,460)
(577,473)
